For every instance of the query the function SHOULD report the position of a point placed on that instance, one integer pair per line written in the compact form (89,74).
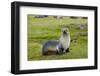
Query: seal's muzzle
(64,32)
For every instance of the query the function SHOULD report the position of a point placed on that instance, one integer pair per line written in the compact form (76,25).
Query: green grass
(41,30)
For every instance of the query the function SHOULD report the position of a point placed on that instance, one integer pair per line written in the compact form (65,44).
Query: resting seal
(57,47)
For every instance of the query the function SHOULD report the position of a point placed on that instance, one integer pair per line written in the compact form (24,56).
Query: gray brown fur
(57,47)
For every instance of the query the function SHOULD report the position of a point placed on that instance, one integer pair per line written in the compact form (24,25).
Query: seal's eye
(65,29)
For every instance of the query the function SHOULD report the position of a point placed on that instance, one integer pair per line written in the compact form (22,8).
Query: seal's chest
(65,41)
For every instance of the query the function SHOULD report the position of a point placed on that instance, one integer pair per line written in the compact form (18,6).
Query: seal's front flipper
(67,50)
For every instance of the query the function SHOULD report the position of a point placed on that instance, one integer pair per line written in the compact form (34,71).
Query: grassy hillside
(49,28)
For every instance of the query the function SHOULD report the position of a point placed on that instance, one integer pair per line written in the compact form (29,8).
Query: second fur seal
(56,47)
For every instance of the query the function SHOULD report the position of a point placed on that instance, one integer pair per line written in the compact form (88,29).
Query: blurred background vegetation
(42,28)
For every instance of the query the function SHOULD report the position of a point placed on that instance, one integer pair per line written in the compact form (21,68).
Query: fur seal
(56,47)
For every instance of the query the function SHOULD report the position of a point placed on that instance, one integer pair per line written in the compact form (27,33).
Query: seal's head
(65,31)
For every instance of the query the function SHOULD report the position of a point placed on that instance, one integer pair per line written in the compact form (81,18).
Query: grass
(41,30)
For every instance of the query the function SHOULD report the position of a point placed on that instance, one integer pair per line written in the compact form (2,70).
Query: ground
(41,30)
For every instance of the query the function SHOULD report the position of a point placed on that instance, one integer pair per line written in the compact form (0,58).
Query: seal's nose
(65,32)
